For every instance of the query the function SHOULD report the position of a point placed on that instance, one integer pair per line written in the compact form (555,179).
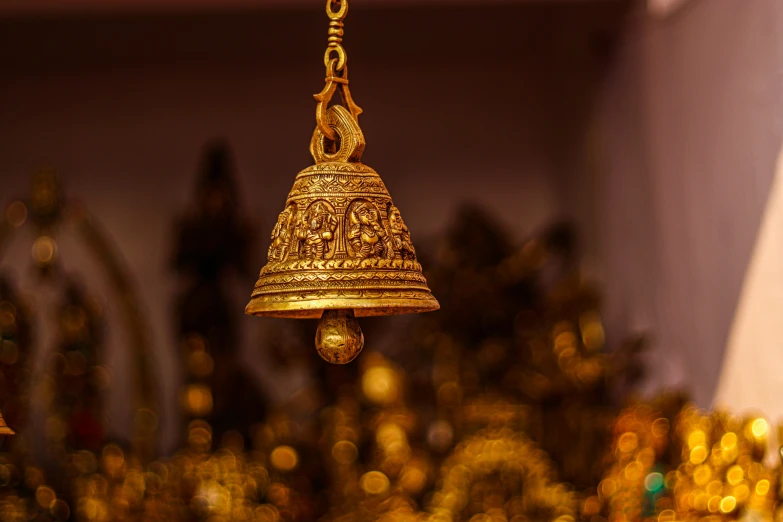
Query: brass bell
(340,248)
(4,428)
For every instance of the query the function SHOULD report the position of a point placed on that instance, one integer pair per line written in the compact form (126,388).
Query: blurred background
(560,164)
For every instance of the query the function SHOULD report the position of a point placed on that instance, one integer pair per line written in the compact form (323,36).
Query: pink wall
(691,128)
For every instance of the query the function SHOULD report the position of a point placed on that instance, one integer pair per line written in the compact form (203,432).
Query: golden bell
(340,248)
(4,428)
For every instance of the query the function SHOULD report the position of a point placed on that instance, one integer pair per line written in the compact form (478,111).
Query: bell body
(340,243)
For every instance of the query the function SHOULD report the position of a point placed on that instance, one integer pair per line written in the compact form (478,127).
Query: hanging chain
(336,32)
(336,62)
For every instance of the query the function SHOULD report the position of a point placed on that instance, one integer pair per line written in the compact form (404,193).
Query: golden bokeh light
(702,474)
(44,251)
(634,471)
(413,478)
(759,428)
(628,442)
(16,213)
(741,492)
(200,364)
(762,487)
(284,458)
(735,475)
(593,335)
(60,510)
(374,483)
(608,487)
(696,438)
(698,454)
(113,460)
(565,341)
(729,441)
(389,433)
(198,400)
(380,385)
(728,504)
(267,513)
(7,316)
(345,452)
(660,428)
(45,495)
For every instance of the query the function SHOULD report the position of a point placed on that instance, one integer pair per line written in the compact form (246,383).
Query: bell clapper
(339,339)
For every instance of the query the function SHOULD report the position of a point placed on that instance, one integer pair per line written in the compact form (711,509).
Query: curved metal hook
(323,98)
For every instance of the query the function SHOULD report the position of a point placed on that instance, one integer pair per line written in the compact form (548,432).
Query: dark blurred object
(521,327)
(212,244)
(15,345)
(70,393)
(79,382)
(50,214)
(213,239)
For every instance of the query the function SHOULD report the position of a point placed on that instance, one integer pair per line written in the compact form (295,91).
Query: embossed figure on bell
(316,231)
(366,234)
(402,237)
(340,249)
(281,235)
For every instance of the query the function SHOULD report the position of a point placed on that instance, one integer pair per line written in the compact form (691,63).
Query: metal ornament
(4,428)
(340,248)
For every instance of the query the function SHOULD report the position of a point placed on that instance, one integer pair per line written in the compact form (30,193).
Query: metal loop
(331,67)
(343,125)
(333,83)
(340,13)
(341,59)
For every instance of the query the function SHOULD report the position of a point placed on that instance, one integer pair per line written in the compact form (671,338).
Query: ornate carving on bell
(340,248)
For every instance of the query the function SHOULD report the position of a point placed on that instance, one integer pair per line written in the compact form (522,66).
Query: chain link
(336,32)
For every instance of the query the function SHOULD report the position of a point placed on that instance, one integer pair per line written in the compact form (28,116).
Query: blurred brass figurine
(340,249)
(4,428)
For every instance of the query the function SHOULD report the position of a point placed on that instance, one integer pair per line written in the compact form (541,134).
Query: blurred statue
(212,245)
(79,381)
(15,345)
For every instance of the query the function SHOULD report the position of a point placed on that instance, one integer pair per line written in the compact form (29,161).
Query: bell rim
(314,308)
